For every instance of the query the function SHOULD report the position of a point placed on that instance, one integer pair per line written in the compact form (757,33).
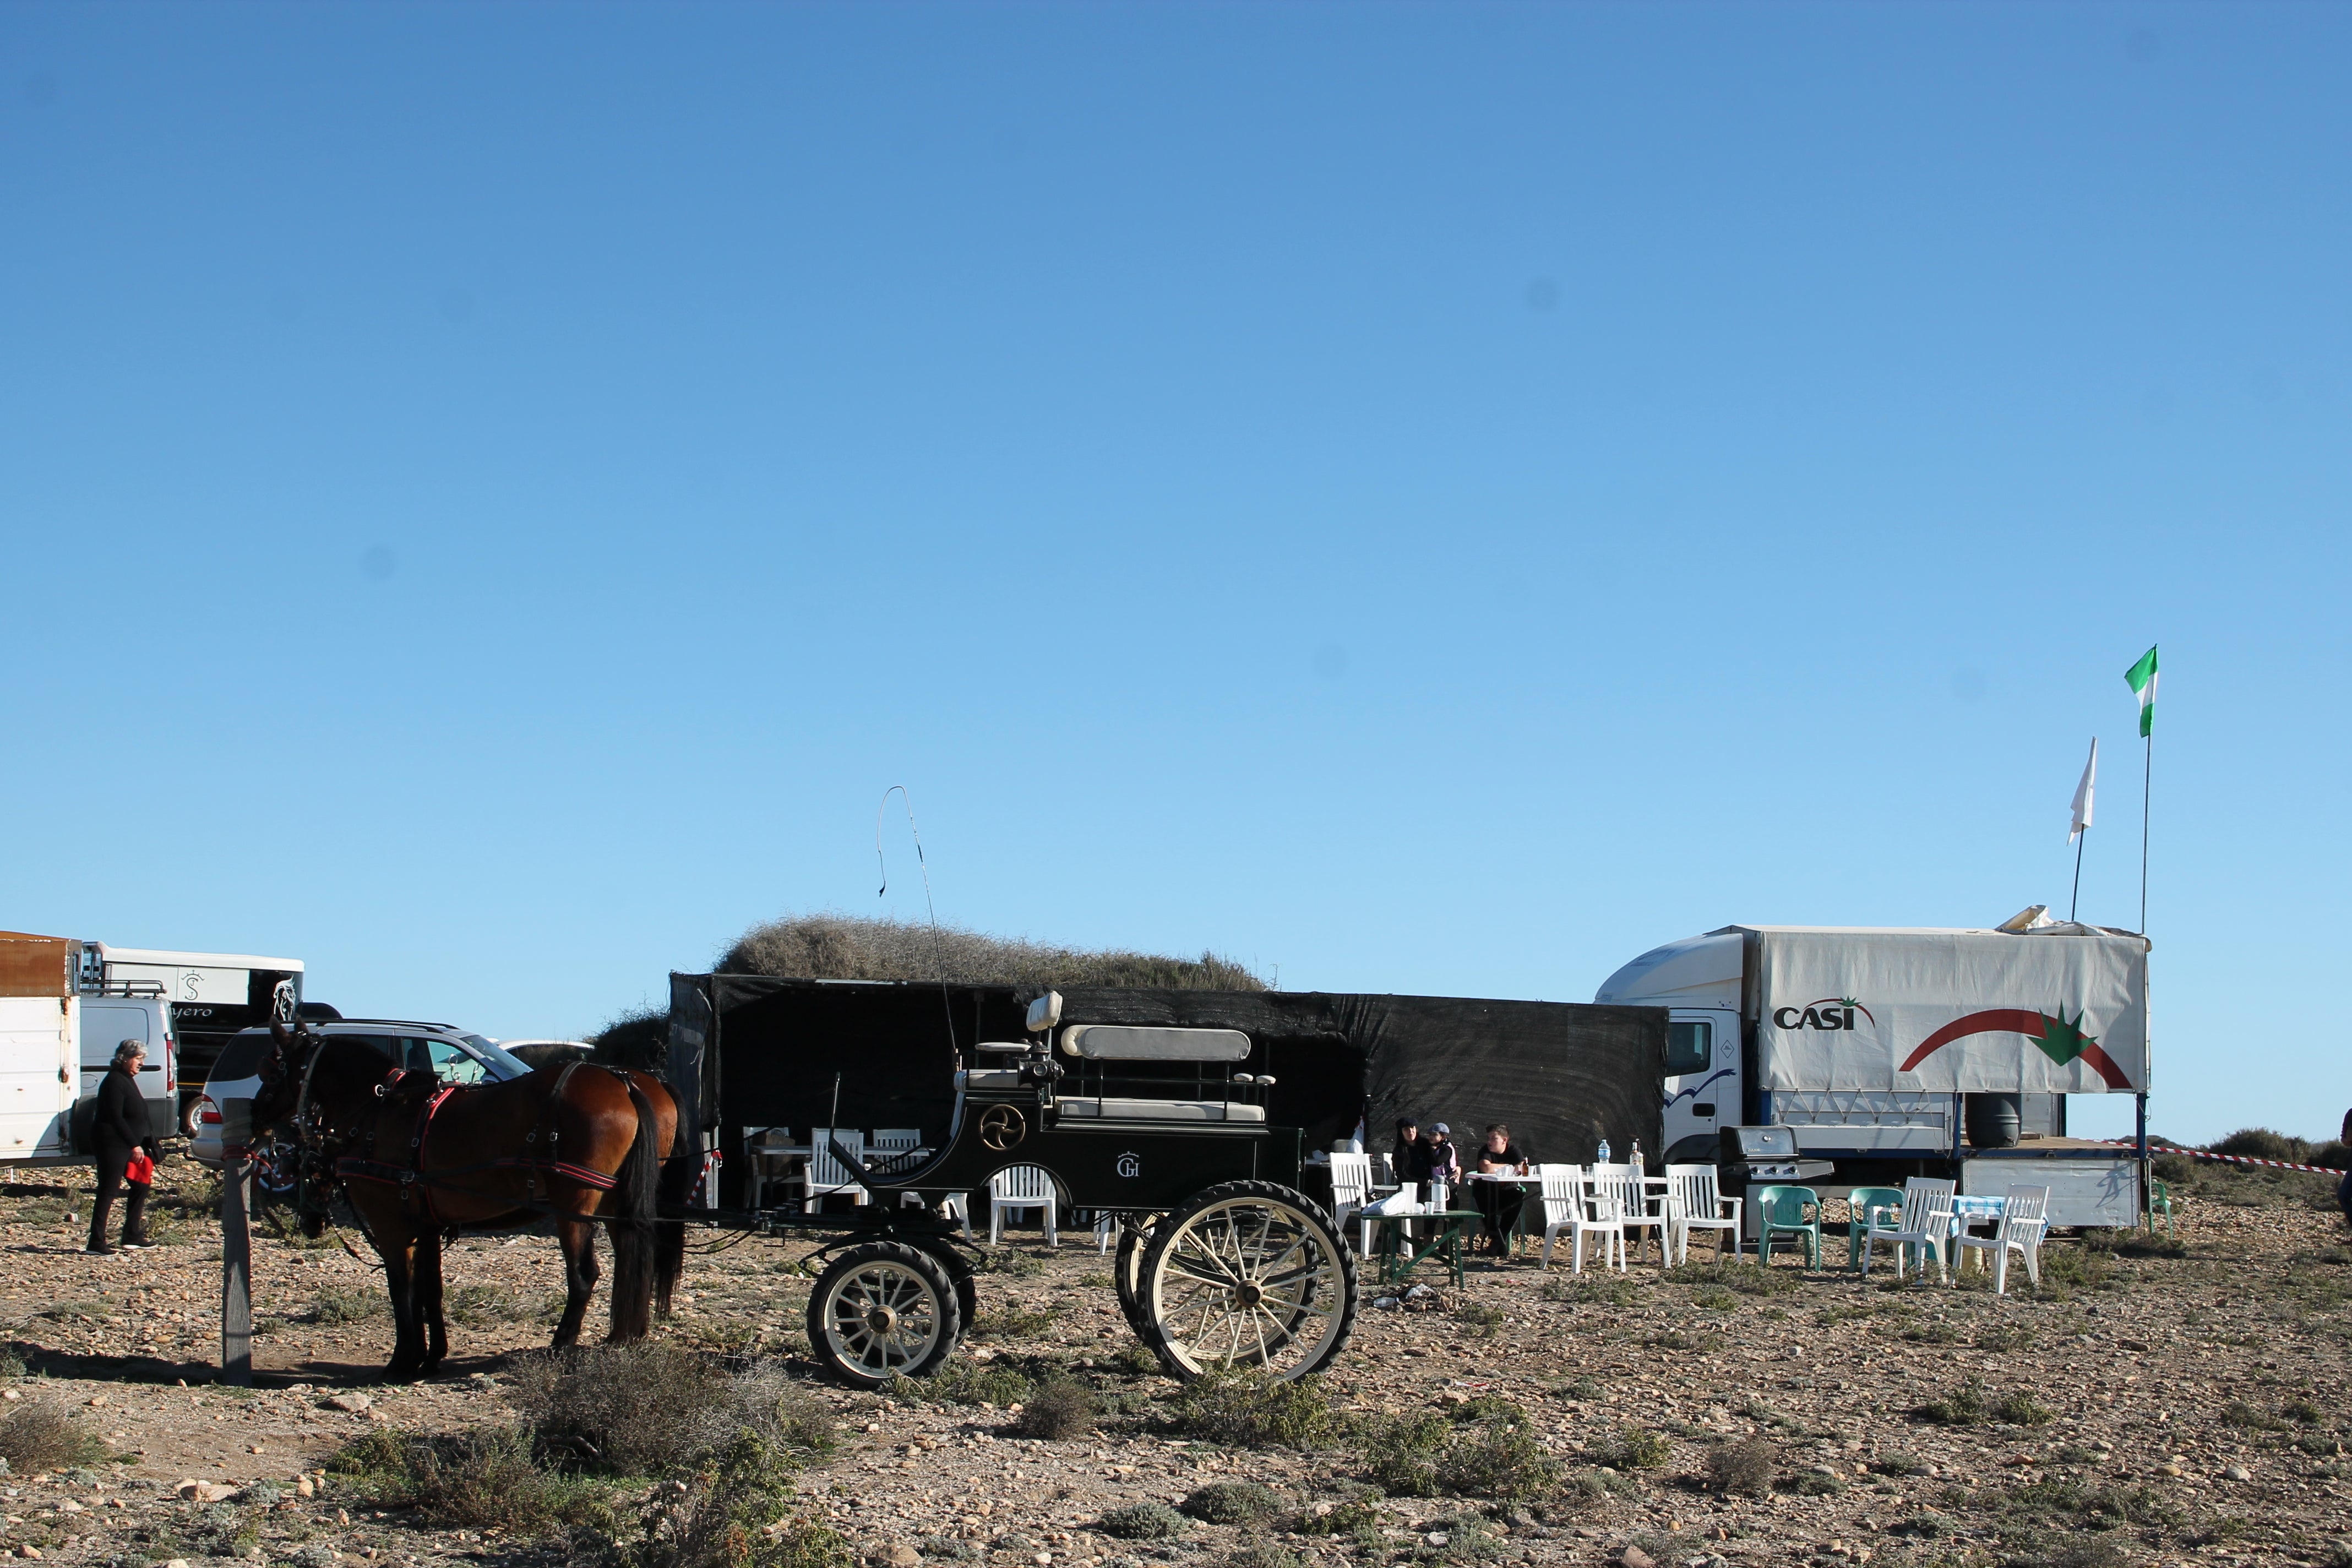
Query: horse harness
(416,1188)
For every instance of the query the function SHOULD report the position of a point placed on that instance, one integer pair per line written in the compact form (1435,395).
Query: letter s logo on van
(1828,1013)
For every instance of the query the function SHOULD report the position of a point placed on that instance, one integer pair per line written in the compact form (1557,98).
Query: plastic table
(1397,1257)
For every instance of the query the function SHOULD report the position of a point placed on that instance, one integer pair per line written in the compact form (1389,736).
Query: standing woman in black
(121,1127)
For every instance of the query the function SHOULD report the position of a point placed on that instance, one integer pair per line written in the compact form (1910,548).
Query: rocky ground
(2181,1406)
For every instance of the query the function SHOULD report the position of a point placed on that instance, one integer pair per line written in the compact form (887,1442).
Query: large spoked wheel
(1127,1271)
(1251,1275)
(882,1309)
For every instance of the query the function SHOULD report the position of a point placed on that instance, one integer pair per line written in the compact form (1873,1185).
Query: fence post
(236,1274)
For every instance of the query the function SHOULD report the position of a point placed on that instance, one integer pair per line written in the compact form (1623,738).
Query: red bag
(141,1169)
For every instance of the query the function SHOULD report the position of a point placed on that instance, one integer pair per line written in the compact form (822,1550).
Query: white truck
(40,1049)
(1895,1052)
(211,997)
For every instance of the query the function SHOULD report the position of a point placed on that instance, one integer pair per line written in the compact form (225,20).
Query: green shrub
(1257,1552)
(961,1381)
(1232,1502)
(2019,1408)
(1060,1409)
(1479,1319)
(1142,1521)
(1497,1459)
(853,947)
(472,1306)
(1637,1448)
(37,1436)
(733,1512)
(1010,1262)
(1400,1452)
(349,1306)
(1246,1411)
(1353,1517)
(1964,1406)
(637,1409)
(1744,1469)
(1597,1289)
(2262,1144)
(1747,1279)
(1011,1323)
(477,1479)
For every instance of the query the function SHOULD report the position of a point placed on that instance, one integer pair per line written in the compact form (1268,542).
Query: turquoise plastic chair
(1862,1200)
(2160,1201)
(1782,1210)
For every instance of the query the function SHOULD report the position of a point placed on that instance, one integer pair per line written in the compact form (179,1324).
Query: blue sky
(1431,498)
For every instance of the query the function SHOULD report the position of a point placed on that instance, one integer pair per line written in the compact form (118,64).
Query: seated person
(1498,1201)
(1406,1158)
(1440,1160)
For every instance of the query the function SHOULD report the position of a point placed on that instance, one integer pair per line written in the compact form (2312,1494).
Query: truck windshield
(509,1064)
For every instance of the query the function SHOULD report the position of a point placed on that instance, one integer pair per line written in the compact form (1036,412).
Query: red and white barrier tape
(2154,1149)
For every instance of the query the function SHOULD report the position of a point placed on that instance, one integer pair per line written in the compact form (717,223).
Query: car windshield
(508,1063)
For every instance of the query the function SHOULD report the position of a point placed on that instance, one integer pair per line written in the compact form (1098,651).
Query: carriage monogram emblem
(1002,1126)
(1128,1165)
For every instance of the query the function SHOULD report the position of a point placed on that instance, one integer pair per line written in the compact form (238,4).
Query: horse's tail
(669,1232)
(633,1227)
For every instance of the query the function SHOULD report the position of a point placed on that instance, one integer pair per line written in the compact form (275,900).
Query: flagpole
(2077,896)
(2148,778)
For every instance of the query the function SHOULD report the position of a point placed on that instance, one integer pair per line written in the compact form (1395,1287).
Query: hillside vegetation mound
(850,947)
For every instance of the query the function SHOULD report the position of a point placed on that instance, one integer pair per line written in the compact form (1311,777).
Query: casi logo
(1829,1013)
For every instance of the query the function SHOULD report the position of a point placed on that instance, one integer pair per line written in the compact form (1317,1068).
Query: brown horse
(578,1144)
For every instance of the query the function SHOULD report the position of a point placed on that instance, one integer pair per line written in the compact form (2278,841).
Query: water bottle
(1603,1157)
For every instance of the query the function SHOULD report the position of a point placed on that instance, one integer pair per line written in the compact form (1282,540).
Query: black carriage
(1178,1116)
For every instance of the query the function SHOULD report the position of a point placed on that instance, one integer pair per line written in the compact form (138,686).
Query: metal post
(2139,1146)
(237,1275)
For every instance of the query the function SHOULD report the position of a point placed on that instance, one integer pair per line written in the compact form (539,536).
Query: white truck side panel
(1950,1012)
(38,1076)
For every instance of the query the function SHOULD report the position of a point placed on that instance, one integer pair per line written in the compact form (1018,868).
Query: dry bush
(1744,1469)
(1242,1411)
(482,1478)
(734,1511)
(645,1408)
(38,1436)
(1060,1409)
(851,947)
(1232,1502)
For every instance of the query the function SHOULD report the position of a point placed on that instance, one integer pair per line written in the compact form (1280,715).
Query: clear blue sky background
(1434,499)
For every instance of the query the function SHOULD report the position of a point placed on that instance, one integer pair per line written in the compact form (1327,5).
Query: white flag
(2082,793)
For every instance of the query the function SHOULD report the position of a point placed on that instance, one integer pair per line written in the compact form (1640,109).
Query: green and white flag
(2142,677)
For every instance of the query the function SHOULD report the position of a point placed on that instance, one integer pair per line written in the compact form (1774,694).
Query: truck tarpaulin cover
(1951,1012)
(751,1051)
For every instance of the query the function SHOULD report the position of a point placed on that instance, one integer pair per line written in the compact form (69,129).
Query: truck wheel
(882,1309)
(1247,1274)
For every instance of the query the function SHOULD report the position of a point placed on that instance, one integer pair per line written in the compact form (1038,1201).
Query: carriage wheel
(1127,1271)
(882,1309)
(958,1269)
(1247,1274)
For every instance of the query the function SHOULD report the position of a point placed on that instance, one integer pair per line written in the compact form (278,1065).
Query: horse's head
(281,1071)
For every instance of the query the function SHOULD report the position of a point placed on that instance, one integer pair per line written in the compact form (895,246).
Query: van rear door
(106,1023)
(37,1080)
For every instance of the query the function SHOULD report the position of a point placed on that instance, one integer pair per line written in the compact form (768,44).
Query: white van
(108,1020)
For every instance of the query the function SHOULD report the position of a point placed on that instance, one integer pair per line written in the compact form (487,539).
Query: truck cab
(1697,982)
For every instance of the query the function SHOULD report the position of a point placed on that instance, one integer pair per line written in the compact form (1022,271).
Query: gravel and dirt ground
(2149,1404)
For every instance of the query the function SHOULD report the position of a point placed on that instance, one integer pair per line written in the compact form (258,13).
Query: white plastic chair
(1105,1229)
(1694,1202)
(1925,1227)
(1351,1189)
(2024,1220)
(1571,1204)
(1624,1182)
(1020,1188)
(896,1140)
(824,1175)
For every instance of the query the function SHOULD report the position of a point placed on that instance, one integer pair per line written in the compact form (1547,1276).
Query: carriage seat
(1123,1109)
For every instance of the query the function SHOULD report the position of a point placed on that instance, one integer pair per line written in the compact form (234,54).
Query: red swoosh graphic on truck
(2063,1041)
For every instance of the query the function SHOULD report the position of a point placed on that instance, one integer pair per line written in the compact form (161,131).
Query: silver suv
(449,1054)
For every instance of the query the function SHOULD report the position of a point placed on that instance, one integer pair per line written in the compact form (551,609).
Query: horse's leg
(432,1329)
(398,1246)
(577,1238)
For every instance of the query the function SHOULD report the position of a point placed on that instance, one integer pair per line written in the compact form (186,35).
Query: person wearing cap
(1441,1161)
(119,1128)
